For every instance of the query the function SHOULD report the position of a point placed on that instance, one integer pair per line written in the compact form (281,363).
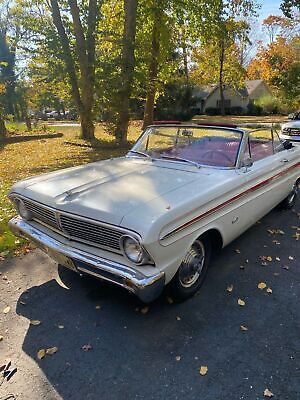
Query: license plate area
(62,259)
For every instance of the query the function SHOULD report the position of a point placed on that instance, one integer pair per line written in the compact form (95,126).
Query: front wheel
(192,271)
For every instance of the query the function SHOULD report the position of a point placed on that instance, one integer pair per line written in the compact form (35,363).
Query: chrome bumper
(147,288)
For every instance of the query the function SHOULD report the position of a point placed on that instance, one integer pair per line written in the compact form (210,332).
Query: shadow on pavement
(133,355)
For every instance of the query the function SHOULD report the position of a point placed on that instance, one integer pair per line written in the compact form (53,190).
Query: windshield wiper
(181,159)
(140,153)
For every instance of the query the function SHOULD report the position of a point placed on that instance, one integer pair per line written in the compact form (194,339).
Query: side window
(278,146)
(261,144)
(246,155)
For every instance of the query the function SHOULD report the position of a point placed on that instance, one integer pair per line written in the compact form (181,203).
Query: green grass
(21,160)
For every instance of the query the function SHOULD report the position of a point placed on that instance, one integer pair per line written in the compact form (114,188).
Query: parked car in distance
(156,216)
(291,130)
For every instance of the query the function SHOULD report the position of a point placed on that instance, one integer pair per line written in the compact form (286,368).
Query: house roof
(252,85)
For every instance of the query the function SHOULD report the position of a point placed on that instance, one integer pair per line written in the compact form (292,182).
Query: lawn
(21,160)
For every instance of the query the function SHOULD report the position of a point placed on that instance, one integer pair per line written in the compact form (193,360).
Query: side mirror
(291,116)
(287,144)
(247,163)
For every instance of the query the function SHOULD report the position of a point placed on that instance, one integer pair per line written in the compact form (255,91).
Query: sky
(269,7)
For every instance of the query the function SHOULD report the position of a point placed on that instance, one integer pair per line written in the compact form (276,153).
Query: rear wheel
(192,271)
(290,200)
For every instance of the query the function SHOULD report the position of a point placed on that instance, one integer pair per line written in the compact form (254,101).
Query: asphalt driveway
(111,347)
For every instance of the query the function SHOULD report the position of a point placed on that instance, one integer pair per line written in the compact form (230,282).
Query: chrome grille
(90,232)
(41,213)
(75,228)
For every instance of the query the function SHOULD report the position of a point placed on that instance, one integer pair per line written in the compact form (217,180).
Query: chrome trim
(147,288)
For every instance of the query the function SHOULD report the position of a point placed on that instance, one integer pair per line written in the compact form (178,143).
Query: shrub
(177,103)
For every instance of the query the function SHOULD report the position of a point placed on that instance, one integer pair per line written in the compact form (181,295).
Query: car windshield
(209,146)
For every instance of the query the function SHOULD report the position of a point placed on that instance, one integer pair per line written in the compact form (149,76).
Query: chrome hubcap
(192,264)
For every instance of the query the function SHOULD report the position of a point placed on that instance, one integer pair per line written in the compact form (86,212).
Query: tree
(127,68)
(83,87)
(153,65)
(287,7)
(279,65)
(279,26)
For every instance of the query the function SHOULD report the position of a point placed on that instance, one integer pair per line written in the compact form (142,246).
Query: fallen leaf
(35,322)
(178,358)
(277,258)
(286,267)
(276,274)
(291,258)
(268,393)
(41,354)
(269,258)
(262,285)
(98,307)
(87,347)
(51,350)
(6,310)
(144,310)
(178,318)
(61,326)
(243,328)
(237,251)
(242,267)
(269,290)
(241,302)
(23,303)
(170,300)
(229,288)
(203,370)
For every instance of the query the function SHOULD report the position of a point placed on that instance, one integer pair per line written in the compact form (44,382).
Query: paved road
(133,355)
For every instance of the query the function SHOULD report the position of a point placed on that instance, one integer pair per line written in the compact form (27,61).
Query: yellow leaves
(243,328)
(203,370)
(35,322)
(241,302)
(229,288)
(268,393)
(50,351)
(6,310)
(41,354)
(262,285)
(144,310)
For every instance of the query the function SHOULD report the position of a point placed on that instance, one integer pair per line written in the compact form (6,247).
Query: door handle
(284,160)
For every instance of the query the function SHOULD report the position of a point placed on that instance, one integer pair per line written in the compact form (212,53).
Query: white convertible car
(155,216)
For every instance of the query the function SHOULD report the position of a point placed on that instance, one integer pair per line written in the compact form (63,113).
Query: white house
(238,99)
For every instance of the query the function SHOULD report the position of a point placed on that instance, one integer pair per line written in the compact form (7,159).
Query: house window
(227,103)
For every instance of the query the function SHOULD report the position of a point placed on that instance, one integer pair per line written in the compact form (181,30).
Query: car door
(270,178)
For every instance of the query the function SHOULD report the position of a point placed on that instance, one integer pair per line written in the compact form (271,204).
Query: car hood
(108,190)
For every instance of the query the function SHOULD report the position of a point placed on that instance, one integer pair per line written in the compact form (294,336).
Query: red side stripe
(229,201)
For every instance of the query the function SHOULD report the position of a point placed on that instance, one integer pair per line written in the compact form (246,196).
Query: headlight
(23,210)
(132,249)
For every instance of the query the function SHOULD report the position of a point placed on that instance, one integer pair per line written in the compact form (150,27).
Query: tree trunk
(87,130)
(28,123)
(153,70)
(221,83)
(3,131)
(82,91)
(128,63)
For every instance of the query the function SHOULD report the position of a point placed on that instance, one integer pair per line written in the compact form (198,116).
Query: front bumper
(147,288)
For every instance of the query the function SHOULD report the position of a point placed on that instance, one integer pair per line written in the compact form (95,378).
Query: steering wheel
(219,152)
